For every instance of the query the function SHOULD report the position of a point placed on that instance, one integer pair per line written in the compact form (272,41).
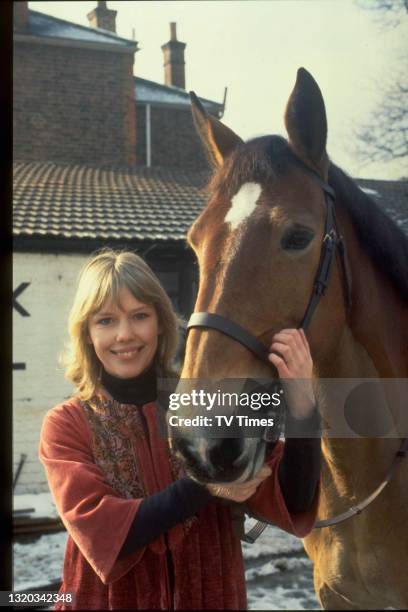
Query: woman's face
(125,336)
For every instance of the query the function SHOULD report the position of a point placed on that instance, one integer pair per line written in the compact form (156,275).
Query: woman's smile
(128,352)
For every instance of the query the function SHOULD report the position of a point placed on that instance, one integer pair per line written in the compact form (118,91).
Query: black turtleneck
(139,390)
(299,470)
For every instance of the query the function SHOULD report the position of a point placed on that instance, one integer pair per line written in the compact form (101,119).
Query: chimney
(102,17)
(173,51)
(20,15)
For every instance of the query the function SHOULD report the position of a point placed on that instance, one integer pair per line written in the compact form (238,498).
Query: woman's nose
(125,331)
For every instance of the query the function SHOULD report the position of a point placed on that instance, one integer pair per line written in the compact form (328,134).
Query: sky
(255,48)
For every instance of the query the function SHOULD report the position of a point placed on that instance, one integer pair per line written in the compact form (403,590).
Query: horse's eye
(296,238)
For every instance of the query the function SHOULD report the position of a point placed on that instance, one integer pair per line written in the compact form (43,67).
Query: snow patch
(369,191)
(40,562)
(272,540)
(42,503)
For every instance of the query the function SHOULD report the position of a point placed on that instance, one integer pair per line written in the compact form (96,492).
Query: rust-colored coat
(100,463)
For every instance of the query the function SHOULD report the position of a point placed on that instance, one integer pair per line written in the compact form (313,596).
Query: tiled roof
(392,196)
(81,202)
(40,24)
(149,92)
(148,204)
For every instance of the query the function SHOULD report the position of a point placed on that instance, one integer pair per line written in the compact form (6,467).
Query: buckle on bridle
(331,236)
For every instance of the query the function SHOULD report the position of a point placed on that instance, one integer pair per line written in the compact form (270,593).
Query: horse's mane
(268,157)
(385,242)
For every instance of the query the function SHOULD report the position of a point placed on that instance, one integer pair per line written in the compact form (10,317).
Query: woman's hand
(290,354)
(242,491)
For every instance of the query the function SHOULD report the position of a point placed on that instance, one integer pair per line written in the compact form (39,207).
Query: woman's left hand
(290,354)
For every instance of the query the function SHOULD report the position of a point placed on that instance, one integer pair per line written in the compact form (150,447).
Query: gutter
(79,44)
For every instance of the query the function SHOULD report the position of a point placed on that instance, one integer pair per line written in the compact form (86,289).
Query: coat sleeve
(96,518)
(268,503)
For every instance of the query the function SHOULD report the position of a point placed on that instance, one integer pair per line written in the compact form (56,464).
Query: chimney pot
(173,51)
(102,17)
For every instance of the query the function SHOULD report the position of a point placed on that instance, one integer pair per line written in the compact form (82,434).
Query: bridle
(332,243)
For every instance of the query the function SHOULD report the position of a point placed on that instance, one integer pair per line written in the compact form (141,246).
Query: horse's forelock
(259,160)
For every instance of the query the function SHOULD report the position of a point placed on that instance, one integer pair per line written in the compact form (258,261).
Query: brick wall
(174,140)
(73,104)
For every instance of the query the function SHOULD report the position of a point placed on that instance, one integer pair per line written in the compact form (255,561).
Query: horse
(258,244)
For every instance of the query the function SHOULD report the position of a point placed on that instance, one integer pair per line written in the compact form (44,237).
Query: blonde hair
(100,281)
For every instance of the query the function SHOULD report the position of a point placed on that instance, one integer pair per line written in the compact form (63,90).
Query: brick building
(76,99)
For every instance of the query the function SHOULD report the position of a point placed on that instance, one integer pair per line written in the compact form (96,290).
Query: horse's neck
(375,341)
(373,346)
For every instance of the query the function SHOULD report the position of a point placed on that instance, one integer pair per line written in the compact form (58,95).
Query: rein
(332,243)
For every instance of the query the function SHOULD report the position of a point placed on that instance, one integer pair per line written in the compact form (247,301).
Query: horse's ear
(306,122)
(217,138)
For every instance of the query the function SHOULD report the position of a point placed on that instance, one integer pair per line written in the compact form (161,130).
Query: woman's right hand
(239,492)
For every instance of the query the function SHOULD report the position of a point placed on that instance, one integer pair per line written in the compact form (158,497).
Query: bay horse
(258,244)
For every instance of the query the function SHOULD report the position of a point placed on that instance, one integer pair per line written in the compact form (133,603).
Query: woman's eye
(139,316)
(296,239)
(104,321)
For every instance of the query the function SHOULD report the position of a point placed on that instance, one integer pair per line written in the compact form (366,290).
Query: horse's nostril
(225,453)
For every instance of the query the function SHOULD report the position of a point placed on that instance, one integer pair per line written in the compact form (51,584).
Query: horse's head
(258,244)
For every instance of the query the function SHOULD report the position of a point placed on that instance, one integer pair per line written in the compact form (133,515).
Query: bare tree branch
(384,135)
(388,13)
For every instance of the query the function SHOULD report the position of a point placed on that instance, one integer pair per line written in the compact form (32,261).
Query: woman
(142,534)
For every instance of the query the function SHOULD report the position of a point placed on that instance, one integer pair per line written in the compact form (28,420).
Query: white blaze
(243,203)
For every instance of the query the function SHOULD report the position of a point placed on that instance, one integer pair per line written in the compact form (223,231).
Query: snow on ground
(272,539)
(38,563)
(277,565)
(279,598)
(42,503)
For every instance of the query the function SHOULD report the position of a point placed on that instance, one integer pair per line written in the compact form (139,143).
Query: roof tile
(157,204)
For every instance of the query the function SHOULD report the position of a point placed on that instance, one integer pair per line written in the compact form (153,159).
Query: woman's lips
(127,353)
